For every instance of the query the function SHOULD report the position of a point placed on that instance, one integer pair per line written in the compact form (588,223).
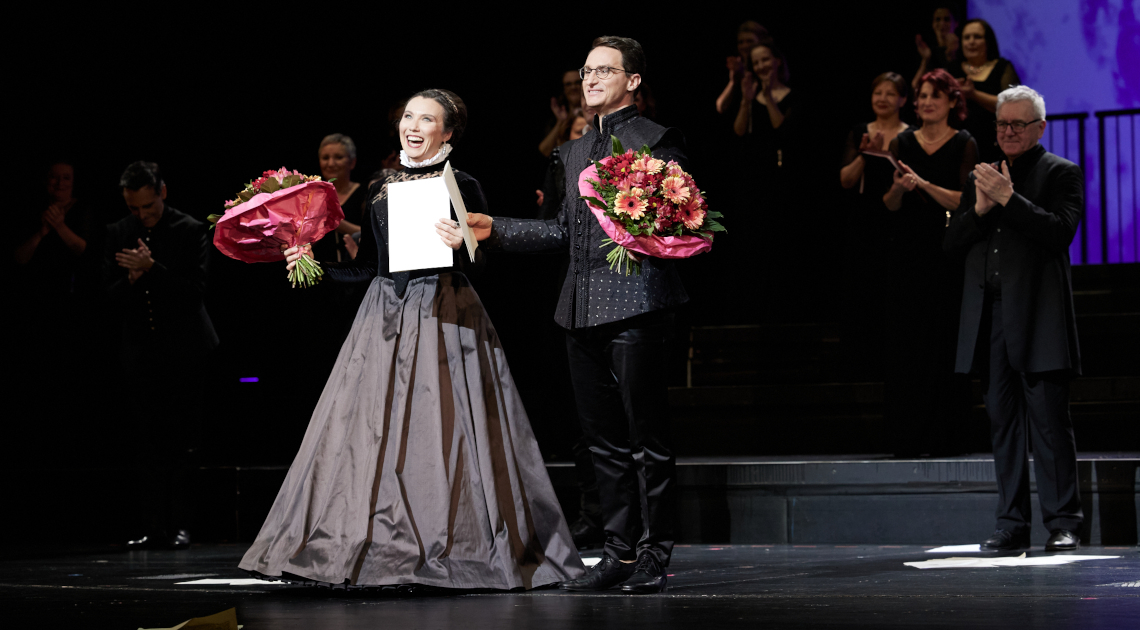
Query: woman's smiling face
(422,129)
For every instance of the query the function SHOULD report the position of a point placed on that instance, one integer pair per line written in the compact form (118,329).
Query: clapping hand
(967,88)
(748,87)
(735,68)
(136,261)
(52,218)
(558,109)
(923,48)
(993,187)
(871,144)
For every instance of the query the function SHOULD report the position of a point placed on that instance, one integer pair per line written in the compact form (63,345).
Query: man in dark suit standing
(617,332)
(154,269)
(1018,327)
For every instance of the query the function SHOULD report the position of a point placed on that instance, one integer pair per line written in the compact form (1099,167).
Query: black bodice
(372,259)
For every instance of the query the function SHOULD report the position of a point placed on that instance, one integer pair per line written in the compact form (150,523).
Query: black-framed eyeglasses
(602,72)
(1017,125)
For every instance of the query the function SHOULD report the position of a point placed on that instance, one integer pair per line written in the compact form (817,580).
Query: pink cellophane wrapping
(656,246)
(255,230)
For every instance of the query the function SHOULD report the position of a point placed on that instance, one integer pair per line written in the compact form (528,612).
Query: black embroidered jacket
(591,293)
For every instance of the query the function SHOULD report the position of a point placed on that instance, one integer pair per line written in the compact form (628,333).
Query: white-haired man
(1018,328)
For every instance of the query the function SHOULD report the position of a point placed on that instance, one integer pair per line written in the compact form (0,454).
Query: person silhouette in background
(154,271)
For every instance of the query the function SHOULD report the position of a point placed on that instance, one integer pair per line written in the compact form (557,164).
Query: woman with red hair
(924,286)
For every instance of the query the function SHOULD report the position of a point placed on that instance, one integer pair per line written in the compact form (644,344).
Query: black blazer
(1032,233)
(592,293)
(161,315)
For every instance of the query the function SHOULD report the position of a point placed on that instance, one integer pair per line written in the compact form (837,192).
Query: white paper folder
(414,207)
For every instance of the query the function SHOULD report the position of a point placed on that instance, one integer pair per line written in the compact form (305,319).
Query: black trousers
(1024,410)
(618,370)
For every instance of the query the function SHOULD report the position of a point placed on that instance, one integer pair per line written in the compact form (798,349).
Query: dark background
(217,97)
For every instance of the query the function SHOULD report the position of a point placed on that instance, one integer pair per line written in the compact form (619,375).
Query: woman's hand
(967,88)
(923,48)
(350,246)
(950,40)
(449,233)
(748,87)
(913,179)
(558,109)
(53,217)
(904,181)
(871,144)
(480,224)
(735,67)
(293,254)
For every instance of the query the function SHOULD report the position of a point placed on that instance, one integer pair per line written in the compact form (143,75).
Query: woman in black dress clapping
(923,285)
(984,75)
(868,178)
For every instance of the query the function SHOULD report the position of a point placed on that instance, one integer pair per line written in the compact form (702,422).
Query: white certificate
(414,207)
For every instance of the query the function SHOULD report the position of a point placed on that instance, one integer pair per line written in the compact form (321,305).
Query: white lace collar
(440,156)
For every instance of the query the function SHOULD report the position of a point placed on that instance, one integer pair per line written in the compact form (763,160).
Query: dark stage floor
(824,586)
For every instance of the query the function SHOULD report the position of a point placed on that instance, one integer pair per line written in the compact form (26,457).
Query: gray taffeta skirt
(419,465)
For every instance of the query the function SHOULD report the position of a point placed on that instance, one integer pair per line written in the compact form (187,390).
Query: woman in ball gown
(419,465)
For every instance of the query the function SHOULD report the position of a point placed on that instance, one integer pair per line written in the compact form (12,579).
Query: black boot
(601,576)
(648,578)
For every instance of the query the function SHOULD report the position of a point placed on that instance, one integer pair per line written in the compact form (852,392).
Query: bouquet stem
(307,272)
(620,257)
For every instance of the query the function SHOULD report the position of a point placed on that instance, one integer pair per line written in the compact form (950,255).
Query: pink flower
(672,169)
(630,203)
(692,213)
(675,190)
(648,164)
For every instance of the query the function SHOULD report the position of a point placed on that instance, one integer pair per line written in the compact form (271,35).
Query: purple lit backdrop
(1083,56)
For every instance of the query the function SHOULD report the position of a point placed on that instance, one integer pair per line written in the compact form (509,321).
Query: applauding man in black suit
(1018,327)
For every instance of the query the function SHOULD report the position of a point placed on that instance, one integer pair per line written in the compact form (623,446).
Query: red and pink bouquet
(648,206)
(278,210)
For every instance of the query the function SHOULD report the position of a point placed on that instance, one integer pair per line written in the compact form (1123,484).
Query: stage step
(873,500)
(854,499)
(774,419)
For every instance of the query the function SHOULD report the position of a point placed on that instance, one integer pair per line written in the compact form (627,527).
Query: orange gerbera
(630,203)
(648,164)
(675,190)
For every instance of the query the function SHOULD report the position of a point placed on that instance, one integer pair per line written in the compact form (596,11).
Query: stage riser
(813,502)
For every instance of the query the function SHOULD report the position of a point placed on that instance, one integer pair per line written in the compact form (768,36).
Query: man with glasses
(1018,327)
(618,329)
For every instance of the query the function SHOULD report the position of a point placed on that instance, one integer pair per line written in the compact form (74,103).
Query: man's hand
(135,259)
(541,196)
(480,224)
(997,187)
(983,204)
